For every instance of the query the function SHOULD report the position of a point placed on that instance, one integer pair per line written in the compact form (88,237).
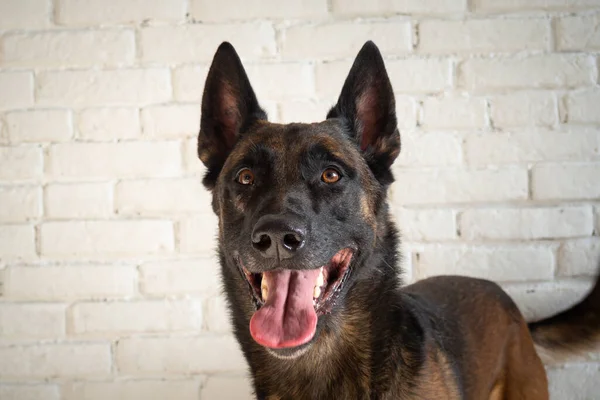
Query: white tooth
(265,293)
(316,292)
(320,279)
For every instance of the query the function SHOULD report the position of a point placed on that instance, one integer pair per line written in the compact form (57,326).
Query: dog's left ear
(229,108)
(368,107)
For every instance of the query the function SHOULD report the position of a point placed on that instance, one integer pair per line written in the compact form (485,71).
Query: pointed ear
(368,108)
(229,107)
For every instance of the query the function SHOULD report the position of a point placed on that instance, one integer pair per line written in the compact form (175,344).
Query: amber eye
(330,175)
(245,177)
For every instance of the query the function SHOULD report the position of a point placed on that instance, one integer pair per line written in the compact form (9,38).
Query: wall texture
(108,284)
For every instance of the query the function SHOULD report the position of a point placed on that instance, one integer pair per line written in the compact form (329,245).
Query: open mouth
(289,302)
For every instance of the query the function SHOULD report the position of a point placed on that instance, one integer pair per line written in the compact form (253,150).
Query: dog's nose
(278,236)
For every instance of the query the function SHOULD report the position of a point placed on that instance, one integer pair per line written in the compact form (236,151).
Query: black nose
(278,236)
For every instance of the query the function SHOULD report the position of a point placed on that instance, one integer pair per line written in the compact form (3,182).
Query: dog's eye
(330,175)
(245,177)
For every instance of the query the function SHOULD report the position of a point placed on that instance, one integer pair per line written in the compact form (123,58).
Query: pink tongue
(288,318)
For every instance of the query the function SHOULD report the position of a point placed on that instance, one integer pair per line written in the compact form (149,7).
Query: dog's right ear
(229,107)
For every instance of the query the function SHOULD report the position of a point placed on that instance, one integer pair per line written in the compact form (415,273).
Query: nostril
(263,244)
(292,241)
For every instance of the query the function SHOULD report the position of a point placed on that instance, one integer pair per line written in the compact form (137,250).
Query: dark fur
(444,337)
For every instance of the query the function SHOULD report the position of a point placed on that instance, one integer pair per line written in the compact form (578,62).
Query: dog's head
(298,204)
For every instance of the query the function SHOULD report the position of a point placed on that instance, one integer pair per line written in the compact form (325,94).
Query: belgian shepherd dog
(310,263)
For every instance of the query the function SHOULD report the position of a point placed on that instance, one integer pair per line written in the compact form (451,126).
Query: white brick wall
(109,284)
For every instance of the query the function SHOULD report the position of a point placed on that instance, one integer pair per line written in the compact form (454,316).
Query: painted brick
(426,225)
(106,238)
(574,381)
(181,277)
(96,12)
(105,124)
(454,113)
(565,181)
(526,223)
(16,90)
(552,71)
(228,387)
(85,200)
(198,43)
(429,149)
(529,5)
(20,163)
(523,109)
(53,360)
(19,14)
(17,242)
(32,320)
(135,317)
(304,111)
(188,82)
(103,88)
(532,146)
(217,315)
(39,126)
(29,392)
(483,36)
(179,354)
(70,282)
(191,162)
(198,234)
(449,185)
(267,80)
(227,10)
(506,263)
(171,121)
(20,203)
(578,32)
(579,257)
(344,39)
(69,48)
(581,107)
(387,7)
(127,160)
(133,389)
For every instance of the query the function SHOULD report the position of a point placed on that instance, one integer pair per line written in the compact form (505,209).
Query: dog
(310,262)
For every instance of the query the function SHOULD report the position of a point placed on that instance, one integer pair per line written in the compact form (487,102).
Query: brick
(227,10)
(127,160)
(597,212)
(581,107)
(191,161)
(454,112)
(531,5)
(526,223)
(217,315)
(387,7)
(450,185)
(29,392)
(96,12)
(20,203)
(497,263)
(267,80)
(16,89)
(180,277)
(198,43)
(179,354)
(531,146)
(20,14)
(198,234)
(108,87)
(56,360)
(565,181)
(188,82)
(574,381)
(17,242)
(69,48)
(106,124)
(70,282)
(426,225)
(136,317)
(304,111)
(228,387)
(133,389)
(552,71)
(579,257)
(578,32)
(344,39)
(39,126)
(171,121)
(429,149)
(523,109)
(85,200)
(106,238)
(32,320)
(483,36)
